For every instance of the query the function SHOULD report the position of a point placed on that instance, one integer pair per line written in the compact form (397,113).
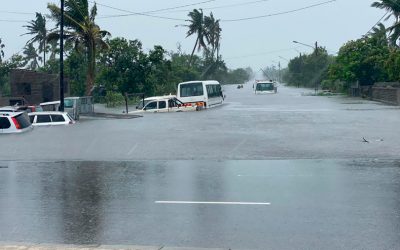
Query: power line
(259,54)
(131,13)
(224,6)
(146,13)
(279,13)
(178,7)
(12,21)
(16,12)
(376,23)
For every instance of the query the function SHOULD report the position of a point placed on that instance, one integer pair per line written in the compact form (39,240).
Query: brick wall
(386,94)
(35,87)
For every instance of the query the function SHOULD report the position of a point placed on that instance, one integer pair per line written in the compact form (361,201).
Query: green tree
(197,27)
(37,28)
(360,61)
(82,32)
(1,50)
(308,70)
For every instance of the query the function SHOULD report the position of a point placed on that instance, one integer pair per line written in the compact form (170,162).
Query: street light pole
(315,48)
(62,58)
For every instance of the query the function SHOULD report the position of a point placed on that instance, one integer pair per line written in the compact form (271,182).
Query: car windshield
(68,103)
(265,86)
(142,104)
(192,89)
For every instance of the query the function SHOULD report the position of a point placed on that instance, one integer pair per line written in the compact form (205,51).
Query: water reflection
(113,202)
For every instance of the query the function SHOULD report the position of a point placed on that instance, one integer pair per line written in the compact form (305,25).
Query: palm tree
(82,32)
(379,32)
(196,26)
(392,7)
(38,29)
(213,34)
(31,57)
(1,50)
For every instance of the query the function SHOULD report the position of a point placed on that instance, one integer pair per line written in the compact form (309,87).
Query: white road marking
(214,203)
(132,149)
(276,175)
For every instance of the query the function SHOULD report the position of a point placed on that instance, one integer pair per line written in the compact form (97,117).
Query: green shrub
(114,99)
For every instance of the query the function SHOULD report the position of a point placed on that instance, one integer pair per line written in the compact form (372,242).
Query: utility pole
(62,58)
(280,75)
(316,48)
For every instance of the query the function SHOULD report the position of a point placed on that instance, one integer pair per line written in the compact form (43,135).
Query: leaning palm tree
(213,34)
(31,57)
(379,32)
(393,8)
(196,26)
(82,32)
(38,29)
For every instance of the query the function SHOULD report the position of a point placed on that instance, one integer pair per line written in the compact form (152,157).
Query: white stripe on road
(214,203)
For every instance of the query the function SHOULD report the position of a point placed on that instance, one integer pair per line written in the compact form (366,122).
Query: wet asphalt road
(294,166)
(313,204)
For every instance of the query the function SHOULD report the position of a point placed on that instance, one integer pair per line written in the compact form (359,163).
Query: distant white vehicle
(50,118)
(265,87)
(162,104)
(14,122)
(202,93)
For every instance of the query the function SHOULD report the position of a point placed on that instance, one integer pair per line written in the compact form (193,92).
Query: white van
(201,93)
(265,87)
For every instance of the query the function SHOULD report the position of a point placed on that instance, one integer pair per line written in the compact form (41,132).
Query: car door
(151,107)
(162,106)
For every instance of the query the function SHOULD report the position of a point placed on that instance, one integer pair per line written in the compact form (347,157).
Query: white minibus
(203,93)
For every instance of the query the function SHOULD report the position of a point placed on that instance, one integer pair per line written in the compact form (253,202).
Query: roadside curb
(20,246)
(111,116)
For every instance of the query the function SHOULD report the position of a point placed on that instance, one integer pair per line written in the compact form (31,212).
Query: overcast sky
(257,42)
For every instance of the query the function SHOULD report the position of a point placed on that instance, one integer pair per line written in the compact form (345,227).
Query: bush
(114,99)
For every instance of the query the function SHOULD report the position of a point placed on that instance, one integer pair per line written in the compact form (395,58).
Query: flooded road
(284,171)
(247,127)
(282,204)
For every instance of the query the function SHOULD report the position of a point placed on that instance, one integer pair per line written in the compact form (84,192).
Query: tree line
(94,59)
(372,58)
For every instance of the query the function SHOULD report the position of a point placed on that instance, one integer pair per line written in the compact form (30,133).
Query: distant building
(36,87)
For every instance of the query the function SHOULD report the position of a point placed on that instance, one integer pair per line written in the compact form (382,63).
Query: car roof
(10,114)
(8,108)
(205,82)
(264,81)
(48,113)
(156,98)
(50,103)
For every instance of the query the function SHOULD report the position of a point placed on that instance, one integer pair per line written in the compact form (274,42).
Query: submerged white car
(14,122)
(163,104)
(50,118)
